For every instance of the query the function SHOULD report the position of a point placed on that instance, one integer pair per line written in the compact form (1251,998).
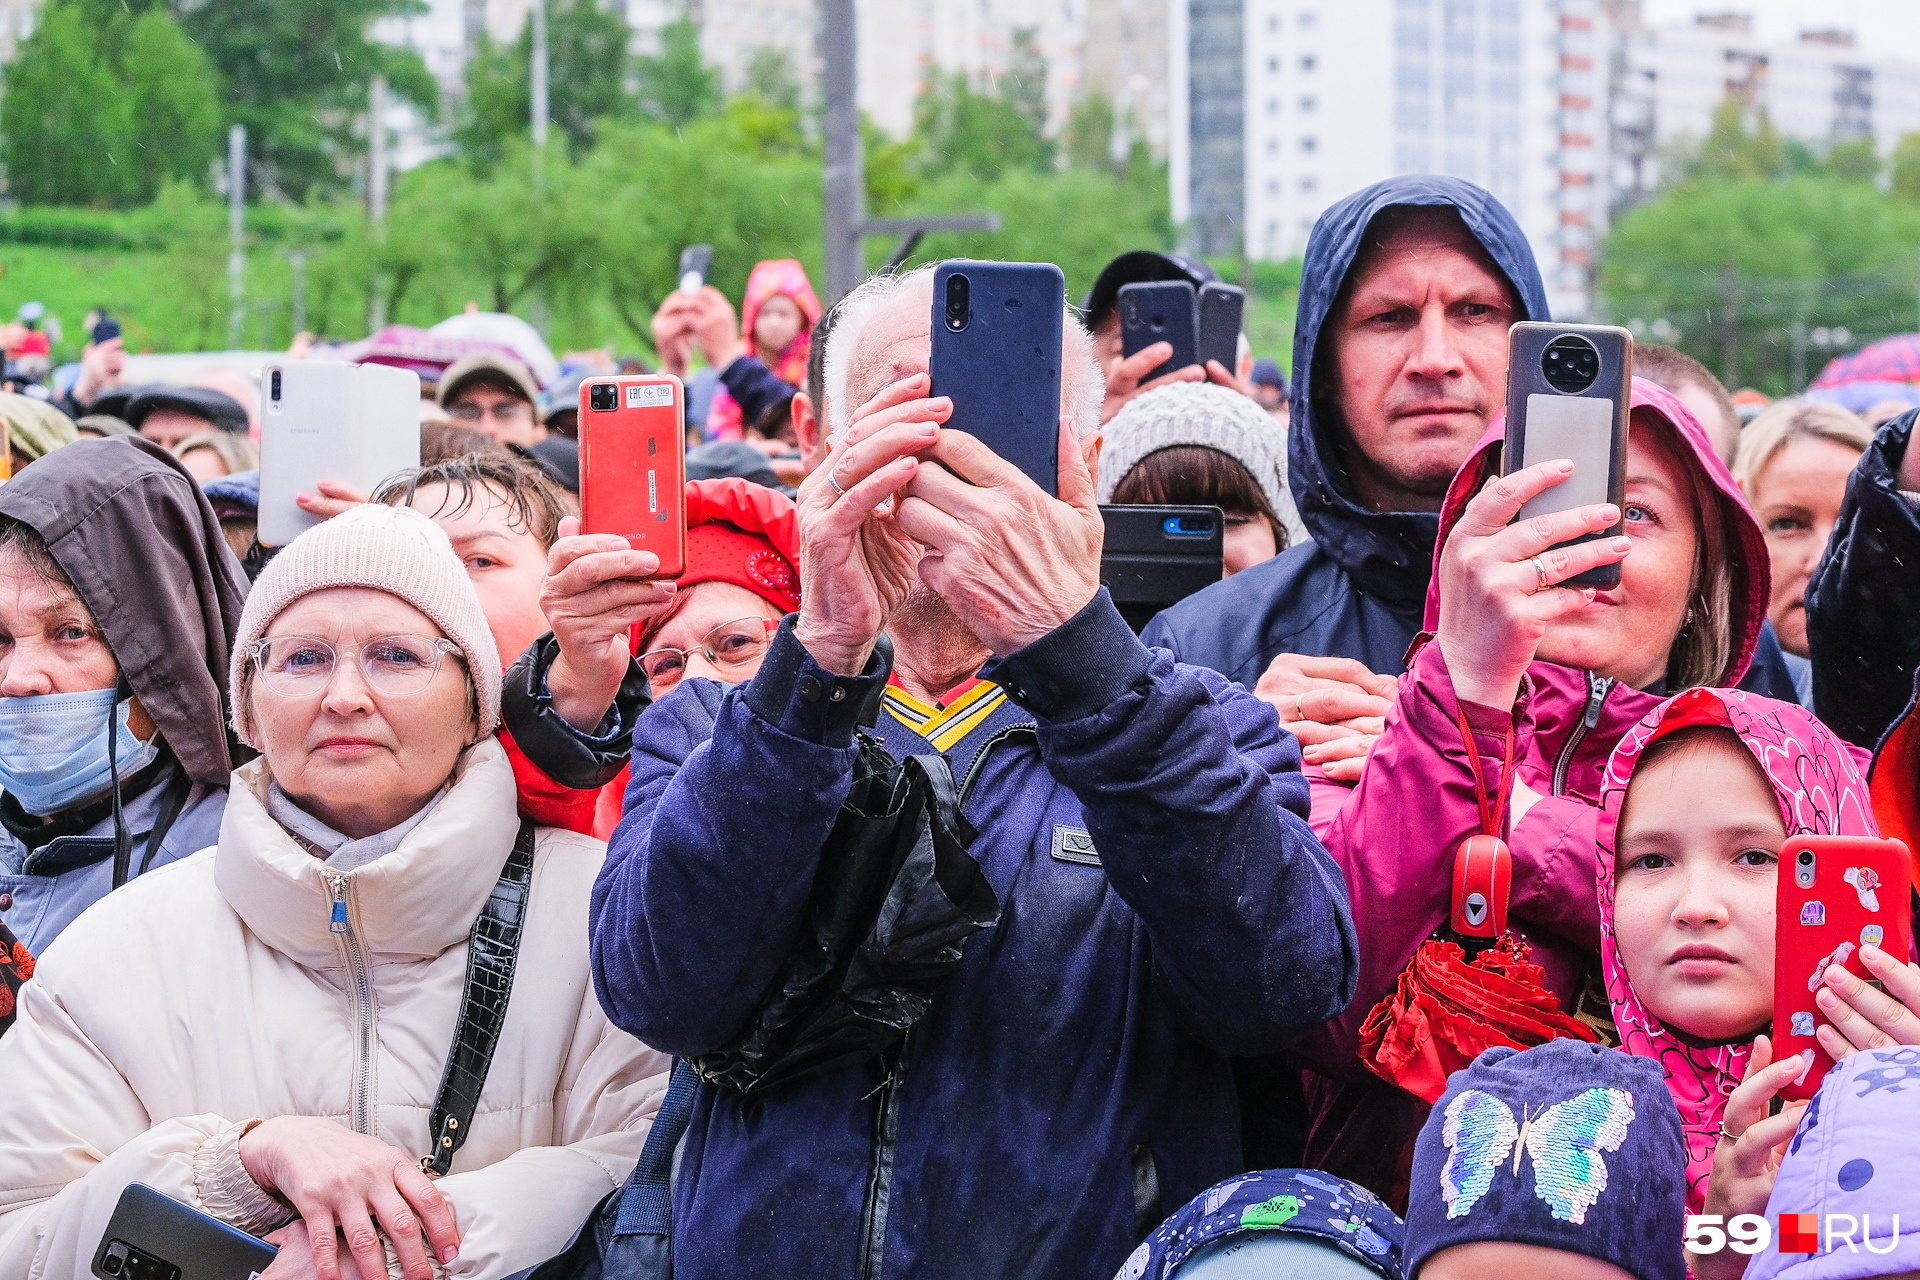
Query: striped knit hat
(392,549)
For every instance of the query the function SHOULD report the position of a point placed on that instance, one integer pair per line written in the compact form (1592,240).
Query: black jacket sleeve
(571,758)
(1863,612)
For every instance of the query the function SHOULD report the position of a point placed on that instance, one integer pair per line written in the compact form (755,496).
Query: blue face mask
(53,749)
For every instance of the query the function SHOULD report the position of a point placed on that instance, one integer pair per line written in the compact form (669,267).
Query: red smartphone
(1835,895)
(633,464)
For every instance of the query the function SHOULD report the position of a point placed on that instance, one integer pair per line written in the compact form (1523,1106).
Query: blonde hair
(1789,420)
(238,452)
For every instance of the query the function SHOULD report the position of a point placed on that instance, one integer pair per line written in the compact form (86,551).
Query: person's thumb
(1077,488)
(569,527)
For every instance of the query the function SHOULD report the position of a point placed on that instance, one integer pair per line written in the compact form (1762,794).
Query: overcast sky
(1885,27)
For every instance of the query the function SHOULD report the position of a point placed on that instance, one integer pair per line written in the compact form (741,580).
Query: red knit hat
(743,533)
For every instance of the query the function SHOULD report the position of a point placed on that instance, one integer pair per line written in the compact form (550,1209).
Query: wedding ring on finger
(1546,574)
(1300,706)
(833,478)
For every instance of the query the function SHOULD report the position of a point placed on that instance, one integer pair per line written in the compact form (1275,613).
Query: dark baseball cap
(1139,266)
(216,407)
(106,330)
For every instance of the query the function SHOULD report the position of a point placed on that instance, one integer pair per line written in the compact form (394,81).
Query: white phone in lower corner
(327,420)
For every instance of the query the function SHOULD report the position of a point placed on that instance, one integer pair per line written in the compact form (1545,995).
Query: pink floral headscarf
(1821,791)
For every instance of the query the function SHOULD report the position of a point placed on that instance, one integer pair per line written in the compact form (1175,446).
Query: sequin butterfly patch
(1565,1141)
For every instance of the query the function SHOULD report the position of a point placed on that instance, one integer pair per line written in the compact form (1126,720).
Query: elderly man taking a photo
(1161,902)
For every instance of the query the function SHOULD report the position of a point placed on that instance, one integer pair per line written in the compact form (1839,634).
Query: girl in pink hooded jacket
(1568,673)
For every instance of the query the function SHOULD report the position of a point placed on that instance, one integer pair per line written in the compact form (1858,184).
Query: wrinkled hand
(1123,383)
(673,332)
(1858,1017)
(1745,1164)
(1011,561)
(332,499)
(1494,608)
(295,1260)
(339,1180)
(1336,707)
(597,589)
(856,562)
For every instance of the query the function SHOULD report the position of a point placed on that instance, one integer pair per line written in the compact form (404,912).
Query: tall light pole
(236,233)
(538,76)
(845,164)
(377,173)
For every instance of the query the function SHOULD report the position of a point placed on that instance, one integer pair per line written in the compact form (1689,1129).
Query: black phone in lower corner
(1160,311)
(1222,311)
(1156,556)
(152,1236)
(997,332)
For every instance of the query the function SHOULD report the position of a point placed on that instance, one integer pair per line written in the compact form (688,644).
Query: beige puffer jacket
(211,992)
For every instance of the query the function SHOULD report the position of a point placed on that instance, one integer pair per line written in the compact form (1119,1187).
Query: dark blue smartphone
(1160,311)
(152,1236)
(997,328)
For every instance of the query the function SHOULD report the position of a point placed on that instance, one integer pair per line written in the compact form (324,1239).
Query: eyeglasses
(296,666)
(731,644)
(499,411)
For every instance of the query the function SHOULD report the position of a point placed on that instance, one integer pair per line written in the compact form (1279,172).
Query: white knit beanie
(1203,414)
(392,549)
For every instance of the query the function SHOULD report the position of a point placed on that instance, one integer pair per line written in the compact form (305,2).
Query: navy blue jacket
(1071,1084)
(1358,589)
(1863,609)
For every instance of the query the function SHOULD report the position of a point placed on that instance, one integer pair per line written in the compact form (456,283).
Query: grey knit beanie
(1203,414)
(392,549)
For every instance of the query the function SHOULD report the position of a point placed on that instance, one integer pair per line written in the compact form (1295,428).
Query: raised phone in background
(633,464)
(325,420)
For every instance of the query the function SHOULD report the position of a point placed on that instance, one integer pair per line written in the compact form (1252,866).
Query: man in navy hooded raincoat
(1162,903)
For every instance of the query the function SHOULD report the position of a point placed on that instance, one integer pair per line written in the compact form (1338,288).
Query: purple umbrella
(1889,360)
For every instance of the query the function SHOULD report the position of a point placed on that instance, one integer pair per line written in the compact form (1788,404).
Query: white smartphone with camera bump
(327,420)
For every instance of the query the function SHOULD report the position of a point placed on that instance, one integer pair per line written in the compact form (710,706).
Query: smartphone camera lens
(1806,857)
(1571,364)
(959,305)
(603,397)
(275,392)
(114,1260)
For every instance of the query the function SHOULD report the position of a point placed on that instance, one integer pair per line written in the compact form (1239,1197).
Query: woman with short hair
(261,1031)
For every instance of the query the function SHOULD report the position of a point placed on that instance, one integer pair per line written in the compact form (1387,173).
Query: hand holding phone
(1569,395)
(327,420)
(1835,895)
(1161,311)
(152,1236)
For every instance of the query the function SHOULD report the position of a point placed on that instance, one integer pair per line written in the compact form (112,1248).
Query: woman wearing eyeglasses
(570,703)
(261,1030)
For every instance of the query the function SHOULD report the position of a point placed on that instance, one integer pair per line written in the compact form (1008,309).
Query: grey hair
(1083,387)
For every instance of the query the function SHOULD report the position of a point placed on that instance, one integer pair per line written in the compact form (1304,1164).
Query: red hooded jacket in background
(776,277)
(1394,833)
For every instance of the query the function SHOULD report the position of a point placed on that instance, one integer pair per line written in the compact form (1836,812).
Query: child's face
(1500,1260)
(504,559)
(778,323)
(1694,871)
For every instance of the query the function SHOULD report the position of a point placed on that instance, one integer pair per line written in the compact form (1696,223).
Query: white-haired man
(1161,903)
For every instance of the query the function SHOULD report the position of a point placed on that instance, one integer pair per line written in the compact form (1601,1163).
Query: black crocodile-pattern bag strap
(492,948)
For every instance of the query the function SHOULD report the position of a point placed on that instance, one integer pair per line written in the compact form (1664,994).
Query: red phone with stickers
(1835,894)
(633,464)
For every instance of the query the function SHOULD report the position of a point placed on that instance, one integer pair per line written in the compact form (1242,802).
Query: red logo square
(1799,1233)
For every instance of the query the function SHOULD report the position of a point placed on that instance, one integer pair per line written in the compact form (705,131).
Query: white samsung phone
(327,420)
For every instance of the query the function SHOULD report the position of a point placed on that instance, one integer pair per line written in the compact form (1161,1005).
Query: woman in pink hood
(1566,674)
(777,317)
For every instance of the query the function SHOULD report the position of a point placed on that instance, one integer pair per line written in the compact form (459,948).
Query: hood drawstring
(122,838)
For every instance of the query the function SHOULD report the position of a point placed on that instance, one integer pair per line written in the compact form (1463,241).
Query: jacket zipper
(338,922)
(886,1133)
(1598,687)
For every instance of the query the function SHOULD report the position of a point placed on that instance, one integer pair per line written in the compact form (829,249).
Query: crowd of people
(446,894)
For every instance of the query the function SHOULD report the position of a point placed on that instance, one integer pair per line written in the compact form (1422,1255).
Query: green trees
(587,72)
(1761,243)
(101,109)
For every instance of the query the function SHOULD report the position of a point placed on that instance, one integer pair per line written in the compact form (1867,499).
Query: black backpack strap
(646,1205)
(492,948)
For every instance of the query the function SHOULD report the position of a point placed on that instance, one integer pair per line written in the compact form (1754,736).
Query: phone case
(1154,557)
(1160,311)
(1835,894)
(357,424)
(152,1236)
(633,465)
(1588,425)
(1222,309)
(998,358)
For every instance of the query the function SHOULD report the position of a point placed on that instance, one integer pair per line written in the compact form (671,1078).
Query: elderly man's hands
(1012,562)
(856,560)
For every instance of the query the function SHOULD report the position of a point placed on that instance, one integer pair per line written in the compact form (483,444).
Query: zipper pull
(1596,698)
(337,923)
